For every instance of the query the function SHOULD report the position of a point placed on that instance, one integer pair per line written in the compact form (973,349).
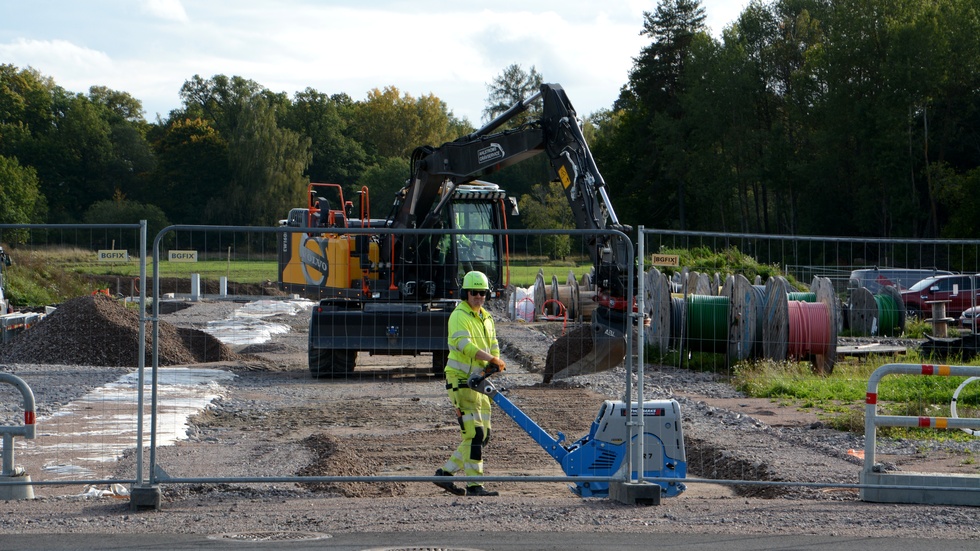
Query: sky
(451,49)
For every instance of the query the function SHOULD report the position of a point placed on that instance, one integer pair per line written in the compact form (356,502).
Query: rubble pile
(100,331)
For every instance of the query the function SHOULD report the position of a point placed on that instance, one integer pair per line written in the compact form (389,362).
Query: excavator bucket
(585,350)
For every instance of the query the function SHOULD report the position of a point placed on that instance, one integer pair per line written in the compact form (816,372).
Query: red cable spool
(809,329)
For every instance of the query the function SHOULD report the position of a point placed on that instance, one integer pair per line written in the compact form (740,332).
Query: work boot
(449,486)
(479,491)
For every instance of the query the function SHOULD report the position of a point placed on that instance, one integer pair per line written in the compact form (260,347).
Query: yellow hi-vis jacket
(470,332)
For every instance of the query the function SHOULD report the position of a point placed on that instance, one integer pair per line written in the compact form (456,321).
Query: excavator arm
(436,172)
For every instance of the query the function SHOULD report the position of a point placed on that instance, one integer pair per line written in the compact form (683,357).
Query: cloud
(44,55)
(171,10)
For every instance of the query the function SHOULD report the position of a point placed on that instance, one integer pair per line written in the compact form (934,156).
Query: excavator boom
(558,135)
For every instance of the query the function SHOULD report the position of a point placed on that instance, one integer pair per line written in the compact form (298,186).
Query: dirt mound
(100,331)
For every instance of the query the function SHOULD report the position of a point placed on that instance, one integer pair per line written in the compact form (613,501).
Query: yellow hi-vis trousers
(473,414)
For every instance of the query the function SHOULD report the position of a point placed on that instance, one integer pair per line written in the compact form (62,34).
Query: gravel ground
(391,419)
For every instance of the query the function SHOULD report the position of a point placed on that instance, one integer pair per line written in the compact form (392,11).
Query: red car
(960,291)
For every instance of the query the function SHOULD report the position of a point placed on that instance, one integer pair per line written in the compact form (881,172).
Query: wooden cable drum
(677,321)
(656,305)
(574,308)
(539,294)
(823,290)
(775,323)
(564,295)
(862,311)
(553,294)
(746,305)
(759,292)
(698,284)
(587,305)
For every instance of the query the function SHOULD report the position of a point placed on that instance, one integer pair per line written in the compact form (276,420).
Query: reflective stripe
(465,368)
(459,334)
(461,345)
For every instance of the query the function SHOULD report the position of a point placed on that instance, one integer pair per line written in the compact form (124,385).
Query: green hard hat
(476,280)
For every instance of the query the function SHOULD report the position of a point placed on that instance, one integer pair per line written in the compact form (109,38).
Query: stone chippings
(100,331)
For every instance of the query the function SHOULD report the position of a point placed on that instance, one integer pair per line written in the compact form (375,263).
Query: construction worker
(472,346)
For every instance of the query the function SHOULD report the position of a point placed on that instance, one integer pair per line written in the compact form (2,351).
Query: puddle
(85,435)
(248,325)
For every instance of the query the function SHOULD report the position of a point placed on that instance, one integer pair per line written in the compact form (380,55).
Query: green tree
(391,124)
(74,158)
(511,86)
(192,170)
(654,183)
(337,157)
(383,180)
(21,201)
(25,111)
(548,209)
(123,211)
(267,166)
(219,99)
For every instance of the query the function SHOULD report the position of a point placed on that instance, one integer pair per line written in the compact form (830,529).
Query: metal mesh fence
(237,399)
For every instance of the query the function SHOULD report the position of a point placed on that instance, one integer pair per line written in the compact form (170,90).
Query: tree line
(816,117)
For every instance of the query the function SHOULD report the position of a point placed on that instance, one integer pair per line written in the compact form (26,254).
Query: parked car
(961,291)
(968,318)
(873,279)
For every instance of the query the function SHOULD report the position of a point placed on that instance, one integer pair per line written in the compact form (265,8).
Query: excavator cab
(475,251)
(472,209)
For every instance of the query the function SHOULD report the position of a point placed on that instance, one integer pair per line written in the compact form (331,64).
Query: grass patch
(524,270)
(37,278)
(839,397)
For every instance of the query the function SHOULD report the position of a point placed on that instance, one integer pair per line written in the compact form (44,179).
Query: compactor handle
(480,383)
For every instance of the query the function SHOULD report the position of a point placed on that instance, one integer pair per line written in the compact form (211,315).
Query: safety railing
(872,420)
(14,481)
(936,488)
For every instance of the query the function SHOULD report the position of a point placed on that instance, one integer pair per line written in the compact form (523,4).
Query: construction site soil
(391,418)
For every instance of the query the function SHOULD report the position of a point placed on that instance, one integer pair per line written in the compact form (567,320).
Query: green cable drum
(888,315)
(800,296)
(707,323)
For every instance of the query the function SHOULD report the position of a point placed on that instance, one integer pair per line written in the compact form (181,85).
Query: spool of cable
(538,293)
(707,323)
(746,306)
(891,300)
(760,294)
(574,308)
(823,289)
(775,326)
(677,321)
(881,314)
(862,312)
(802,296)
(657,306)
(809,329)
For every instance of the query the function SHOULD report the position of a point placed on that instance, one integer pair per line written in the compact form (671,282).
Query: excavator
(386,286)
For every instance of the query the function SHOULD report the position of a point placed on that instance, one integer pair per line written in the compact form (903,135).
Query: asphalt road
(473,541)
